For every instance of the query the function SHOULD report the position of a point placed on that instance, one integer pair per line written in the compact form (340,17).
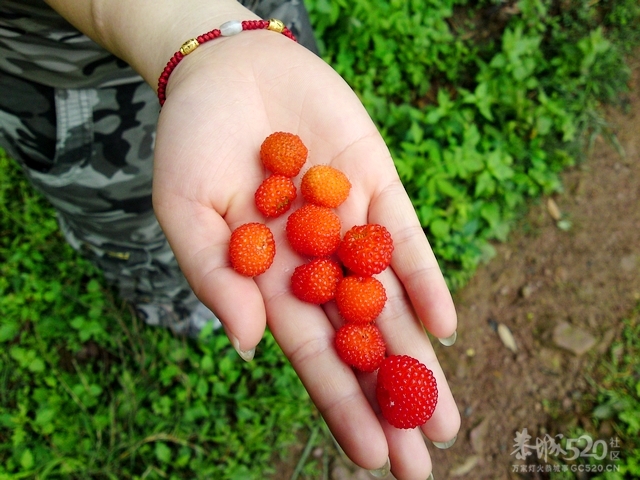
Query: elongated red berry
(325,186)
(360,299)
(252,249)
(313,231)
(360,346)
(283,153)
(366,249)
(316,281)
(275,195)
(406,391)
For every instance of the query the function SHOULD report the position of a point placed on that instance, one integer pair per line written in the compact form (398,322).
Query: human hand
(222,101)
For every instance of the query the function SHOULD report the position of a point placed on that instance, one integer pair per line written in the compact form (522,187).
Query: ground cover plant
(610,449)
(88,392)
(617,399)
(482,104)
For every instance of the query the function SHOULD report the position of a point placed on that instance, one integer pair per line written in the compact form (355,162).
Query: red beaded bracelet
(227,29)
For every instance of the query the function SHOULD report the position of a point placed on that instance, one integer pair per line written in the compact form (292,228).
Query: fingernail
(246,355)
(381,472)
(445,445)
(448,341)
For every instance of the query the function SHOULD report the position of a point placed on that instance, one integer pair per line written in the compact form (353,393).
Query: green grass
(86,391)
(610,446)
(618,397)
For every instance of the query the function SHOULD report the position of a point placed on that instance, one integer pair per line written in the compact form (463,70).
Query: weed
(612,448)
(87,392)
(482,103)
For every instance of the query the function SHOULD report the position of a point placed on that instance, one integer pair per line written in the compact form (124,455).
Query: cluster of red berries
(340,268)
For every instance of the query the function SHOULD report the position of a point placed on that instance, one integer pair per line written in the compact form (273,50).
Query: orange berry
(366,249)
(361,346)
(283,153)
(252,249)
(313,231)
(360,299)
(316,281)
(275,195)
(325,186)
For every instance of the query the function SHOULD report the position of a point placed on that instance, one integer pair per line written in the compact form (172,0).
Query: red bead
(212,35)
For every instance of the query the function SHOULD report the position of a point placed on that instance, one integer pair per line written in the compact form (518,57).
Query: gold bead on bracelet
(189,46)
(275,25)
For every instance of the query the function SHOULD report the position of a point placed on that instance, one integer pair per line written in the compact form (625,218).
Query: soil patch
(561,292)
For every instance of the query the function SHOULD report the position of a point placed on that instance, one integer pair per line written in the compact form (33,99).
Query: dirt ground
(560,286)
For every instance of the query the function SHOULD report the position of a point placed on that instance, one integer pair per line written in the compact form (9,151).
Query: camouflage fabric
(39,45)
(292,12)
(90,152)
(88,147)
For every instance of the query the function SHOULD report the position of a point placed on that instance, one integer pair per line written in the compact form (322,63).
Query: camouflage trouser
(90,152)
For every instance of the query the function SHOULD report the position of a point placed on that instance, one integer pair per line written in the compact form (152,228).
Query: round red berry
(360,346)
(252,249)
(283,153)
(316,281)
(325,186)
(366,249)
(275,195)
(313,231)
(360,299)
(406,391)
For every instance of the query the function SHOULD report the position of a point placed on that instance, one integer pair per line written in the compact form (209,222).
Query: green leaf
(202,388)
(77,323)
(491,213)
(485,185)
(37,365)
(543,125)
(26,459)
(8,331)
(163,452)
(447,188)
(439,228)
(93,286)
(498,163)
(206,364)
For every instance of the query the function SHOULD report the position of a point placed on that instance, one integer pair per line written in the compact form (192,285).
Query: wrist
(227,29)
(183,30)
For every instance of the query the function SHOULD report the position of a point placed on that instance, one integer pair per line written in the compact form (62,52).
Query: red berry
(406,391)
(366,249)
(313,231)
(360,299)
(325,186)
(360,346)
(283,153)
(275,195)
(316,281)
(252,249)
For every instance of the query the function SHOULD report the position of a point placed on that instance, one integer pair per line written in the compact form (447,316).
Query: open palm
(221,104)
